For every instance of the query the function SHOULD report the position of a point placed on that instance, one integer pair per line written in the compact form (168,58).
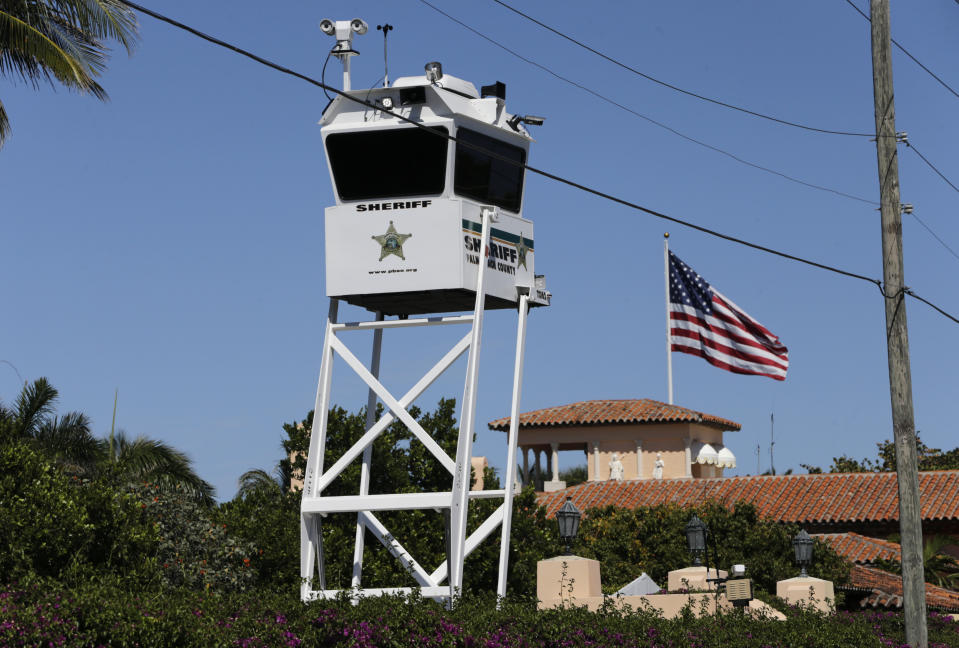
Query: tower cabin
(404,236)
(650,440)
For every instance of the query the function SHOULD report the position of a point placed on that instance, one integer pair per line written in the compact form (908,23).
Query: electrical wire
(493,154)
(931,165)
(642,116)
(906,52)
(936,236)
(669,128)
(689,93)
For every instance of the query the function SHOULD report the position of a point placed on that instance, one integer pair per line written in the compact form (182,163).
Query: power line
(642,116)
(673,130)
(931,165)
(677,88)
(493,154)
(929,229)
(906,52)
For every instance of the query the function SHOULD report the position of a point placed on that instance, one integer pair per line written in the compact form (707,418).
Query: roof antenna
(385,28)
(772,464)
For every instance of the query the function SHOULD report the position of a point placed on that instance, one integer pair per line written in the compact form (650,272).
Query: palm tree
(147,460)
(67,441)
(61,40)
(260,481)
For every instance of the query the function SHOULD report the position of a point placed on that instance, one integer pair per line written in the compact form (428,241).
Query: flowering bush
(108,615)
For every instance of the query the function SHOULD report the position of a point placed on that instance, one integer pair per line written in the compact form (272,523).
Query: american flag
(705,323)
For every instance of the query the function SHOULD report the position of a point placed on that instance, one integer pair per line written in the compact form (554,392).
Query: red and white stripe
(728,338)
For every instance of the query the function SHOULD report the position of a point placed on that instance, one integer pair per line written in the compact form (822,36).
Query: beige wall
(669,439)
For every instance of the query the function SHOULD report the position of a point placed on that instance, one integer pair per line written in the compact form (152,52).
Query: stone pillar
(554,484)
(639,459)
(689,457)
(815,592)
(596,475)
(566,579)
(693,579)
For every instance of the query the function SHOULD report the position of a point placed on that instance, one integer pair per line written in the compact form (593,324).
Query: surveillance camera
(327,27)
(533,120)
(359,26)
(434,71)
(739,571)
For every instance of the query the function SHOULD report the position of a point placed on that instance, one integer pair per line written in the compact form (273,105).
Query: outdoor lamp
(696,539)
(802,545)
(568,519)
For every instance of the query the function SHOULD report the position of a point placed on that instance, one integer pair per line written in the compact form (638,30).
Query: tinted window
(387,163)
(487,179)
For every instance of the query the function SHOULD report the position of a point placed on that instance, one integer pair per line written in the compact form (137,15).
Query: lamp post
(696,532)
(802,546)
(568,519)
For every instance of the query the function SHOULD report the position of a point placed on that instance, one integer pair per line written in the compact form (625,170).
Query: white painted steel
(482,532)
(394,547)
(393,404)
(359,544)
(389,501)
(311,532)
(464,446)
(388,418)
(441,592)
(407,323)
(512,441)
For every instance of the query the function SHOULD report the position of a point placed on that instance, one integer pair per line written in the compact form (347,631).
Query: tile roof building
(624,439)
(866,503)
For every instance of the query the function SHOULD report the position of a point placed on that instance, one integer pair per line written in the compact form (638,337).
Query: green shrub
(52,525)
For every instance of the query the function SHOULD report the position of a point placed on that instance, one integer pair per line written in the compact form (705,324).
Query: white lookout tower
(428,177)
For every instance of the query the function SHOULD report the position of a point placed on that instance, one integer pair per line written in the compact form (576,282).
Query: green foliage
(100,614)
(928,459)
(628,542)
(266,515)
(54,525)
(574,475)
(62,40)
(940,568)
(194,551)
(68,442)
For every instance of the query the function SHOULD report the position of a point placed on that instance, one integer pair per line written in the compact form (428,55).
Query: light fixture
(387,103)
(696,539)
(434,71)
(802,546)
(359,26)
(532,120)
(568,519)
(327,27)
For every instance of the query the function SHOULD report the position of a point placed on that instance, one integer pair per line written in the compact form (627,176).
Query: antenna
(772,442)
(759,469)
(385,28)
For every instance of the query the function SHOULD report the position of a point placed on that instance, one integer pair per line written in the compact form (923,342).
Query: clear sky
(169,243)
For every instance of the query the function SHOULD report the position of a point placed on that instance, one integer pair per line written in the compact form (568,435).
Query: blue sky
(169,243)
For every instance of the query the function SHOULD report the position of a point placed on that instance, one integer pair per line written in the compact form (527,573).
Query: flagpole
(669,354)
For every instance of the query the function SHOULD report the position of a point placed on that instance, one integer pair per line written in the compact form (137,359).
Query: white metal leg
(464,446)
(510,476)
(360,542)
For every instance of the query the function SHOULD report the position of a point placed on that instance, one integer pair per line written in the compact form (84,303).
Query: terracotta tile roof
(612,412)
(885,590)
(860,549)
(804,499)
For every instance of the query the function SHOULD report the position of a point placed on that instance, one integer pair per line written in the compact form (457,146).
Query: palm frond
(34,403)
(257,481)
(101,19)
(68,441)
(149,460)
(4,125)
(33,46)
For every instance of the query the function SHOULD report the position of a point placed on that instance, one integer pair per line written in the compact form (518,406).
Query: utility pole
(897,337)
